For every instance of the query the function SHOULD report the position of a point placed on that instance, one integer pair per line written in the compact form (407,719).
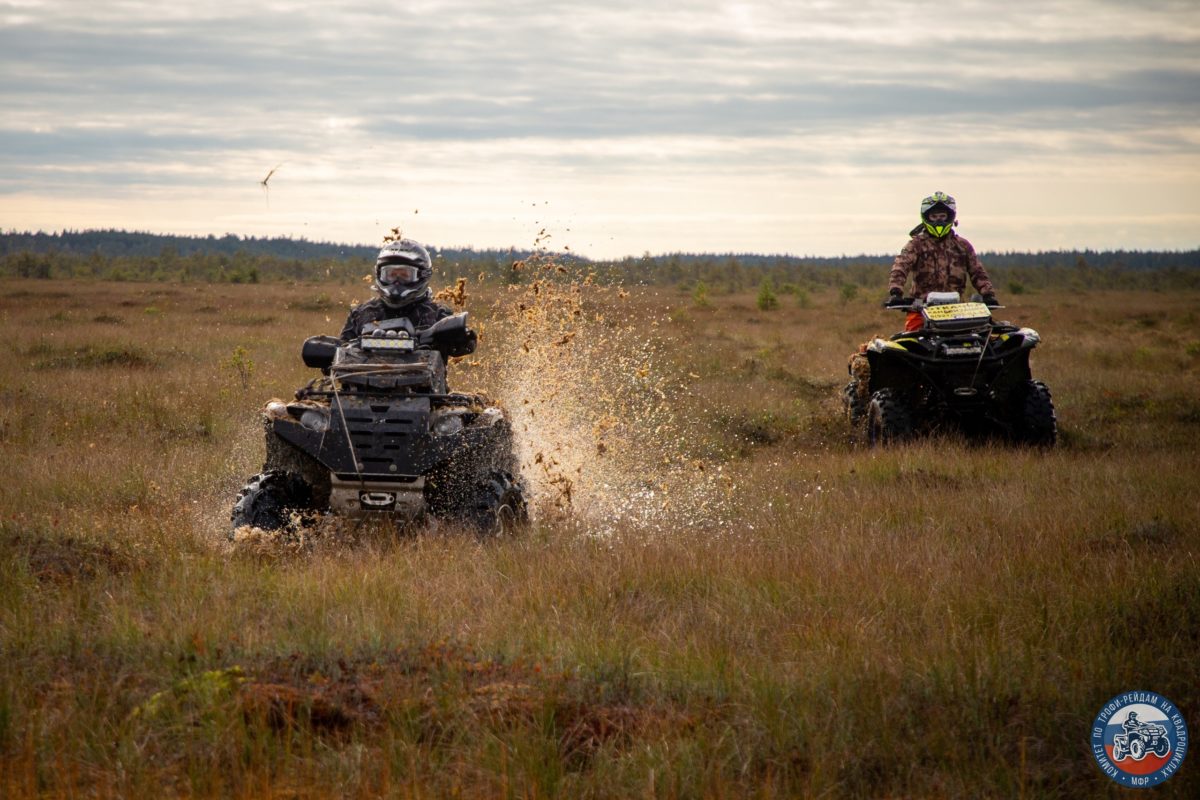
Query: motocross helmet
(402,273)
(938,212)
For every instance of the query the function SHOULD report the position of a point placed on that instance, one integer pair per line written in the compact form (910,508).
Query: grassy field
(721,595)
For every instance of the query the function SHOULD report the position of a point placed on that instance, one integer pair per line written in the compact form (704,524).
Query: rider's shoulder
(368,306)
(428,302)
(961,241)
(427,307)
(925,240)
(921,240)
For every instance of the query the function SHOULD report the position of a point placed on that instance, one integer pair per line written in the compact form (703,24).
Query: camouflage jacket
(422,314)
(938,265)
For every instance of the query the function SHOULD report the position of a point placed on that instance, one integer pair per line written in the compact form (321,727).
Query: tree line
(134,256)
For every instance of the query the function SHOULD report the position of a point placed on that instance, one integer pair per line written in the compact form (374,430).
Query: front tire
(853,404)
(1137,749)
(268,500)
(498,506)
(1036,422)
(889,418)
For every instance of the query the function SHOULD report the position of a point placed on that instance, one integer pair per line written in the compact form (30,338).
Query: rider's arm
(902,265)
(979,276)
(428,312)
(360,315)
(350,329)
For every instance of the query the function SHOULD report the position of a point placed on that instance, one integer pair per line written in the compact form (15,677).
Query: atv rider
(402,273)
(938,259)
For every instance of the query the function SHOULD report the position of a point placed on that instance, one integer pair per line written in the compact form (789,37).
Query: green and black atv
(962,369)
(378,434)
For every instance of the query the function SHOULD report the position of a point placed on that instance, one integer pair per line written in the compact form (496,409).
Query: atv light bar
(381,343)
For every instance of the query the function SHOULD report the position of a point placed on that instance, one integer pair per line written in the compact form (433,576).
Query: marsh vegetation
(784,614)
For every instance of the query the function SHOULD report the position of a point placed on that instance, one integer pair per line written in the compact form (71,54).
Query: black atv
(379,435)
(961,368)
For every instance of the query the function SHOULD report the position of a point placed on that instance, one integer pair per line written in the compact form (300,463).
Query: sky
(607,128)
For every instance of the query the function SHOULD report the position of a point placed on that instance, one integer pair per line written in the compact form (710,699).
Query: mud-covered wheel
(853,405)
(1036,422)
(498,505)
(268,500)
(889,418)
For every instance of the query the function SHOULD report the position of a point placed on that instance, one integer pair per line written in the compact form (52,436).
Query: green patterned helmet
(938,212)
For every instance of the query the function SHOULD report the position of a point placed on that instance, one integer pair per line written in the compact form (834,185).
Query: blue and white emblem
(1139,739)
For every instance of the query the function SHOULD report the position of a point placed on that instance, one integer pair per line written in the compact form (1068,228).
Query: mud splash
(595,403)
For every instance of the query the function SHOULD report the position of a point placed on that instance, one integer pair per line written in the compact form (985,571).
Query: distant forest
(133,256)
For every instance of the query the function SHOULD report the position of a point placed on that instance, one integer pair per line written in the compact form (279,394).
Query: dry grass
(942,620)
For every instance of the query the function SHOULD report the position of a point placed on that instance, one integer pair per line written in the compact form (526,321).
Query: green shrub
(241,365)
(766,296)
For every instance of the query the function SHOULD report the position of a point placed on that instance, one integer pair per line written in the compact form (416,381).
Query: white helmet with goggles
(402,273)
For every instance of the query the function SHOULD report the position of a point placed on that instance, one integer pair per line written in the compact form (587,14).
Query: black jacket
(421,314)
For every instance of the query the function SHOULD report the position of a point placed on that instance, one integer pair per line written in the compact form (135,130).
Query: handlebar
(449,335)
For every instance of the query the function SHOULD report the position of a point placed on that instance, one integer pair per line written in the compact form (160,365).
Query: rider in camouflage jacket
(939,265)
(937,259)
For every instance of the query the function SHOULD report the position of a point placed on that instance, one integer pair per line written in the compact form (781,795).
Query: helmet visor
(399,273)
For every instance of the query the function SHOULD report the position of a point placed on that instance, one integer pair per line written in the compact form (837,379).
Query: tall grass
(939,620)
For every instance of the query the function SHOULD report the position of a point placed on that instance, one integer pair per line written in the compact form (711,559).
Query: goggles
(399,273)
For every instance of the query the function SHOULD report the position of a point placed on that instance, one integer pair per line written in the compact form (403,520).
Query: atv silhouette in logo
(1139,739)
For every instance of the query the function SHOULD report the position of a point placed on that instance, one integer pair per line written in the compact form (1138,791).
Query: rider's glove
(895,298)
(990,300)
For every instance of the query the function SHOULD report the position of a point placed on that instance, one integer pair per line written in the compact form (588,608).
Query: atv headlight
(1030,335)
(879,345)
(315,420)
(448,425)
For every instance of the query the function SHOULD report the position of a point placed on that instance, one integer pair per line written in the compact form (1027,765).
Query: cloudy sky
(804,127)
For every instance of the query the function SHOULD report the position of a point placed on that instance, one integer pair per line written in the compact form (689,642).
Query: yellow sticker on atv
(949,311)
